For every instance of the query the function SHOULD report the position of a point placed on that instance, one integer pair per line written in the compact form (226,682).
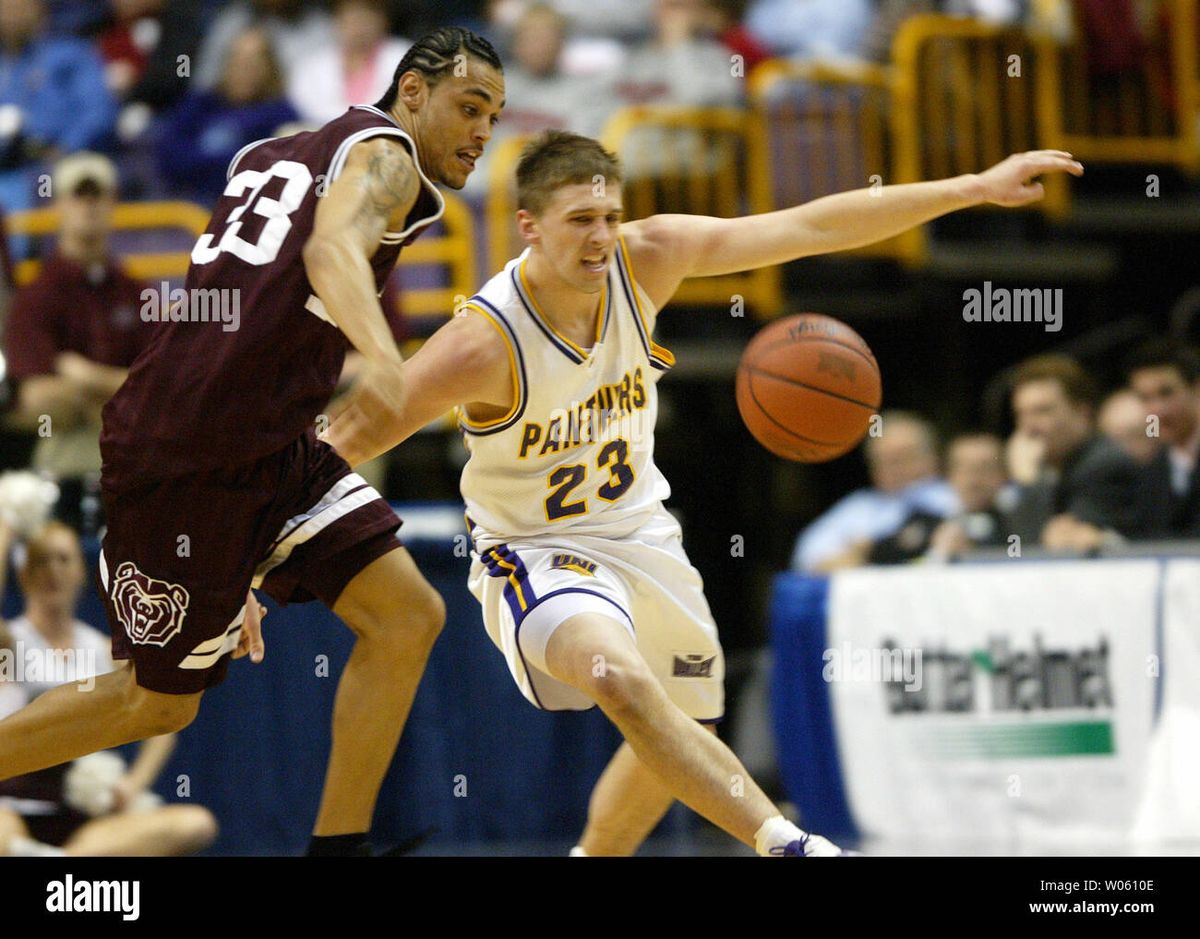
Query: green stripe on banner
(1074,738)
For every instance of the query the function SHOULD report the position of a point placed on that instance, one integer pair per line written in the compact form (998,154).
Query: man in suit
(1165,375)
(1084,493)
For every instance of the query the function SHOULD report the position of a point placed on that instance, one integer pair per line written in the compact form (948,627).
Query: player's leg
(696,767)
(66,723)
(627,804)
(169,831)
(396,616)
(12,827)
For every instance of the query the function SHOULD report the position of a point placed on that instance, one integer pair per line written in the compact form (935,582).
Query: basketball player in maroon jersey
(213,479)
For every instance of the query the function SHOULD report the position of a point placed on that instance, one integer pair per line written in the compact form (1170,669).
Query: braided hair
(434,56)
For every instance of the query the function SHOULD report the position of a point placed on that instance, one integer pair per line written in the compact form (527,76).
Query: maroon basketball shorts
(179,555)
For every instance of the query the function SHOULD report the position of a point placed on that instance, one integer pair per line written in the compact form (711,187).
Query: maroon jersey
(247,356)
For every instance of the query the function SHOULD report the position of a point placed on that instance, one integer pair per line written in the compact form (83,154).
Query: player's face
(456,122)
(1164,392)
(976,471)
(59,572)
(1044,413)
(577,232)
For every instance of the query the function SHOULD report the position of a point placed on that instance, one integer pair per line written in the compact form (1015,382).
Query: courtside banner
(1171,810)
(994,701)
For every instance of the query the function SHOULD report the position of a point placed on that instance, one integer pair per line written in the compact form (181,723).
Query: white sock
(20,846)
(776,832)
(577,851)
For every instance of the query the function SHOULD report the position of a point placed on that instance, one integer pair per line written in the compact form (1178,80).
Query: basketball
(807,386)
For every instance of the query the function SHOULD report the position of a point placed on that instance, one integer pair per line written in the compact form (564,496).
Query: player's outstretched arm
(698,246)
(463,363)
(378,185)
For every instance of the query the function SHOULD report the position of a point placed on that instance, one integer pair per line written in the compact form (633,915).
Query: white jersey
(575,453)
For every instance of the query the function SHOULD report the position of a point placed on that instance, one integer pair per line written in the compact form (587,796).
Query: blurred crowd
(104,101)
(1078,474)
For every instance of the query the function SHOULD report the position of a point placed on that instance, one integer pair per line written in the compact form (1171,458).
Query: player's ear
(527,226)
(412,90)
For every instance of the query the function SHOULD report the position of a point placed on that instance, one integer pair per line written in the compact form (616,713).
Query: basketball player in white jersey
(579,568)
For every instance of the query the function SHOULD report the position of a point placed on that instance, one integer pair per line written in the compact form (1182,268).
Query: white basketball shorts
(644,581)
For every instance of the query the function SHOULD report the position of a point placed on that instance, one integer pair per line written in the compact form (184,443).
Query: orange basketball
(807,386)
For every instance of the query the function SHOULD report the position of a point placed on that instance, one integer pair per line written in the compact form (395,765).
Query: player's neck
(569,309)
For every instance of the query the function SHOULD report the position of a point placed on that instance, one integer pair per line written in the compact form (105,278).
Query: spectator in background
(1165,376)
(811,29)
(53,99)
(682,64)
(149,47)
(975,471)
(76,329)
(903,464)
(1084,490)
(725,23)
(1122,419)
(889,17)
(296,29)
(355,68)
(629,20)
(95,806)
(207,128)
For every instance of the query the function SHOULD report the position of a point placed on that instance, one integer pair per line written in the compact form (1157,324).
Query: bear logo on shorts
(151,610)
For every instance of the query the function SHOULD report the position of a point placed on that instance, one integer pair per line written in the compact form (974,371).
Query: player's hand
(250,642)
(360,430)
(1010,183)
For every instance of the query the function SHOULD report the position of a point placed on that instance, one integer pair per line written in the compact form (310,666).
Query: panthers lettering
(592,421)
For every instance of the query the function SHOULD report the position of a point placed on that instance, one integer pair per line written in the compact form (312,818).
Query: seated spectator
(53,99)
(975,470)
(540,96)
(811,29)
(724,20)
(629,20)
(355,68)
(94,806)
(76,329)
(903,465)
(1084,491)
(297,31)
(682,66)
(206,129)
(1165,376)
(1122,419)
(147,52)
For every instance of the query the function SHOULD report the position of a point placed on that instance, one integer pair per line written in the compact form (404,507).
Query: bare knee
(621,684)
(152,713)
(416,617)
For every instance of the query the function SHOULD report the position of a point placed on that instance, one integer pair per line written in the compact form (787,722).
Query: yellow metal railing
(963,98)
(1146,114)
(127,216)
(828,132)
(452,250)
(699,161)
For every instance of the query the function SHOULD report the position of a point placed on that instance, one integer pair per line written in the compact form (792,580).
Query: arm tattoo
(390,181)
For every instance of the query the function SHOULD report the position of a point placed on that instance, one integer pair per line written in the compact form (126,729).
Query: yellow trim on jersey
(512,370)
(656,350)
(600,318)
(512,579)
(576,568)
